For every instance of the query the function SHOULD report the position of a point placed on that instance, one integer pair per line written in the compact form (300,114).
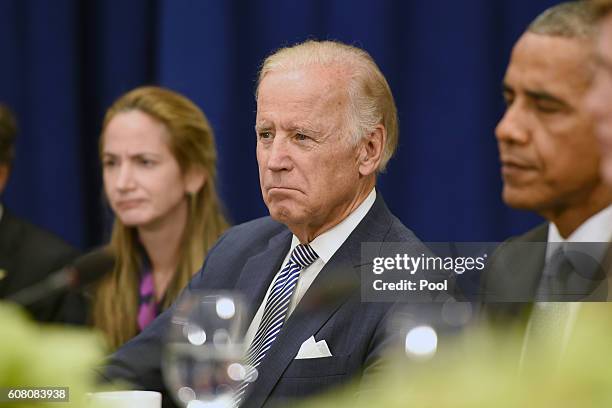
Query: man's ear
(4,176)
(370,150)
(195,178)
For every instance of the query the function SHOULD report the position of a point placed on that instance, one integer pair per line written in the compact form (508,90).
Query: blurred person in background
(159,168)
(599,98)
(550,165)
(29,254)
(548,150)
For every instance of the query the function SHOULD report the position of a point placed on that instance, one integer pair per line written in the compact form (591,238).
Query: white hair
(370,101)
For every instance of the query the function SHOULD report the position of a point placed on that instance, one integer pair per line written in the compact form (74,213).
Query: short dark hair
(8,132)
(573,19)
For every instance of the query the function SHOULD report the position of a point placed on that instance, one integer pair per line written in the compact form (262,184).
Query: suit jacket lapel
(530,266)
(259,270)
(520,281)
(338,279)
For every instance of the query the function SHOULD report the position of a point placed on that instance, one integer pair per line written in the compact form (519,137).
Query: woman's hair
(192,144)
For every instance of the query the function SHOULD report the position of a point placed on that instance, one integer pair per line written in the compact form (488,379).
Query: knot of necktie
(303,255)
(275,312)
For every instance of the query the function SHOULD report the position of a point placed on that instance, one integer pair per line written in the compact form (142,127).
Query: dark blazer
(514,273)
(28,254)
(515,268)
(246,259)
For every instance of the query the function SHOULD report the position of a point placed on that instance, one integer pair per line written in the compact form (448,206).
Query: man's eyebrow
(537,95)
(545,96)
(263,125)
(293,127)
(305,128)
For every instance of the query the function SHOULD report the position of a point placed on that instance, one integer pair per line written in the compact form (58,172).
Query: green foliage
(481,369)
(33,355)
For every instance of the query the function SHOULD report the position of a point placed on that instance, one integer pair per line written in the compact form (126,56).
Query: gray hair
(574,19)
(370,101)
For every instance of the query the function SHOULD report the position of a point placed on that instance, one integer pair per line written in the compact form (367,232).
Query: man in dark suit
(27,253)
(550,165)
(326,125)
(599,98)
(600,92)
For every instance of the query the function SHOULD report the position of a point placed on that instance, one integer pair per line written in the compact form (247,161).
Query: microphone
(84,270)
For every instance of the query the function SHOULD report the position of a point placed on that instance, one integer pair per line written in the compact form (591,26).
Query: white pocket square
(312,349)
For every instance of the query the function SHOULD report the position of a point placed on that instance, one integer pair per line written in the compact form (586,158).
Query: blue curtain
(63,63)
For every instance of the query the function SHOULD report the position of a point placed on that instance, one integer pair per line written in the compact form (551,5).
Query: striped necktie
(275,310)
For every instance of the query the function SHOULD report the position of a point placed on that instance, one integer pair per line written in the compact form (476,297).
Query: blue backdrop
(63,62)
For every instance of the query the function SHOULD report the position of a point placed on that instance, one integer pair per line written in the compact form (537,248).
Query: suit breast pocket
(318,367)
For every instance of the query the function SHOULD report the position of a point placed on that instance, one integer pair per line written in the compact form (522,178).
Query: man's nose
(279,154)
(513,126)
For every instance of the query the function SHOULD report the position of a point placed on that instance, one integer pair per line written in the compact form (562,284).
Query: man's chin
(520,200)
(284,214)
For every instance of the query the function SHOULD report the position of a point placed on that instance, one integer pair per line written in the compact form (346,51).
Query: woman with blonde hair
(159,169)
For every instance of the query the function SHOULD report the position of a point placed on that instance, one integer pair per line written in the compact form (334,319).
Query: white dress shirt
(597,228)
(325,245)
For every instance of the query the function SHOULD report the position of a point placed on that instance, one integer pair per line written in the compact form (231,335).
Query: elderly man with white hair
(326,126)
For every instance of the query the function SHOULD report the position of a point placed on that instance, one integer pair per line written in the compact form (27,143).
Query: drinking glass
(204,347)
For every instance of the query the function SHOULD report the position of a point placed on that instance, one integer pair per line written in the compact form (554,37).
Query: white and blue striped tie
(275,310)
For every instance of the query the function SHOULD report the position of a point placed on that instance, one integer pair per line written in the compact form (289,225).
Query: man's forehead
(556,64)
(300,92)
(321,78)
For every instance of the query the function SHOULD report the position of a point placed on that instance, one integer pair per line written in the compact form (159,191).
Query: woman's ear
(195,178)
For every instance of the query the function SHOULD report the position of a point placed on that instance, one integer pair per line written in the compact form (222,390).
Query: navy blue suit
(246,259)
(28,255)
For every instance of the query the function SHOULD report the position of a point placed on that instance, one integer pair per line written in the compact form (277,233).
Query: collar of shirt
(595,229)
(325,245)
